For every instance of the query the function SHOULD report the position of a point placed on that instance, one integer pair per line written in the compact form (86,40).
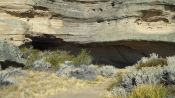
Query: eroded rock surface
(87,21)
(10,55)
(92,21)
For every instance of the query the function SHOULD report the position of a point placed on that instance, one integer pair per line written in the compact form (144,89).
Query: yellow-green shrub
(83,58)
(32,54)
(149,91)
(153,63)
(57,57)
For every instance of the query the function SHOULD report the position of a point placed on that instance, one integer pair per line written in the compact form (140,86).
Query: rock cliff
(108,22)
(87,21)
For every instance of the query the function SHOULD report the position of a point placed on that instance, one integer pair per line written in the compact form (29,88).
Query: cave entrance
(119,54)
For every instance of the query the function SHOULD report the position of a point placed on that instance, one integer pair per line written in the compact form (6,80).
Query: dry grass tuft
(83,58)
(143,91)
(149,91)
(56,57)
(152,61)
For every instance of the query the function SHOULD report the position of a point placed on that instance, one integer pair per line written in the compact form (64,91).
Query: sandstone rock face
(87,21)
(93,21)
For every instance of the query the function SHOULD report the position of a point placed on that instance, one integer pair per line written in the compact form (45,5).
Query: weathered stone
(85,21)
(112,20)
(92,21)
(10,54)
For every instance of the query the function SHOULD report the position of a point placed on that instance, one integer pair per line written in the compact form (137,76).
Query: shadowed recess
(119,53)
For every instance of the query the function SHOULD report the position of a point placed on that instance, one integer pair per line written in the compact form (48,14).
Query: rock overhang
(84,21)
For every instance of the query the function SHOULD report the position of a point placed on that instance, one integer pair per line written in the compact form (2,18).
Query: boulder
(10,55)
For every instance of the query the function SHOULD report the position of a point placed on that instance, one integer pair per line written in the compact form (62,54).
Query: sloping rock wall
(93,21)
(88,21)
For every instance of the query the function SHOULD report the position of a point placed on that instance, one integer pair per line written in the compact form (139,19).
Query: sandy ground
(91,92)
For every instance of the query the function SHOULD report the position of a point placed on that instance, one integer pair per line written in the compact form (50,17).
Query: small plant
(83,58)
(116,82)
(107,71)
(57,57)
(152,61)
(35,54)
(31,55)
(41,65)
(149,91)
(171,90)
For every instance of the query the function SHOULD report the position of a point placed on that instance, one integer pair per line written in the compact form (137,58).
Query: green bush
(152,61)
(57,57)
(31,54)
(116,82)
(83,58)
(149,91)
(171,90)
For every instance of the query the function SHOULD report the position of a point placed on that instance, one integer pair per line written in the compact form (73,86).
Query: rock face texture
(87,21)
(10,55)
(92,21)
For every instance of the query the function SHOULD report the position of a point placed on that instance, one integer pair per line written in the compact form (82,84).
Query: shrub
(171,91)
(148,75)
(149,91)
(115,83)
(83,58)
(107,71)
(151,61)
(171,61)
(149,78)
(115,90)
(35,54)
(6,74)
(65,70)
(31,55)
(119,92)
(41,65)
(57,57)
(84,72)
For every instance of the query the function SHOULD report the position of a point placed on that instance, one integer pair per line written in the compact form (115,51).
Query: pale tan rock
(88,21)
(116,25)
